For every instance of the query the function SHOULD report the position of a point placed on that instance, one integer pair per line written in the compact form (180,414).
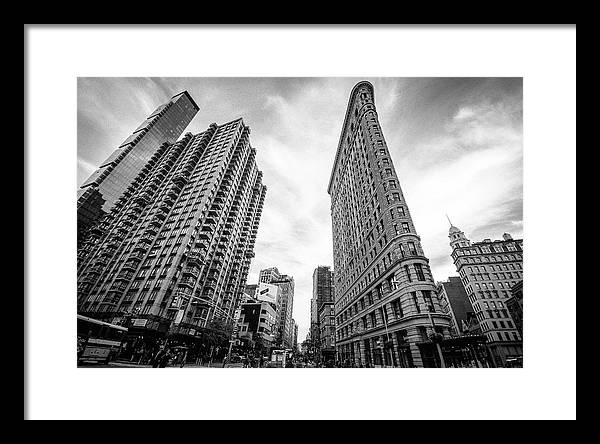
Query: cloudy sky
(456,144)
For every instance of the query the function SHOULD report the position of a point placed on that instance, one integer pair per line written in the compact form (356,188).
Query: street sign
(139,322)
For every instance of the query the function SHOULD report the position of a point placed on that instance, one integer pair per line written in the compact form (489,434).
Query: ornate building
(386,308)
(173,253)
(488,270)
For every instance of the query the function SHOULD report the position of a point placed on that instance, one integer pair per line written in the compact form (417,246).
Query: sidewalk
(127,364)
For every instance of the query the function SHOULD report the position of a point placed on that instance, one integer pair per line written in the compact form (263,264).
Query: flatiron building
(386,306)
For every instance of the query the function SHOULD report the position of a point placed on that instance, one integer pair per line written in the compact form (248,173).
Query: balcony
(97,230)
(187,282)
(147,239)
(194,258)
(124,276)
(173,191)
(210,285)
(129,266)
(140,247)
(169,200)
(180,179)
(191,271)
(151,230)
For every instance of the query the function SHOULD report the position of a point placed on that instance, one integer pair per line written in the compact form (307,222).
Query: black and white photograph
(212,232)
(302,226)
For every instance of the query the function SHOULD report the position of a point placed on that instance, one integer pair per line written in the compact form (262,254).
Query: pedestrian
(158,357)
(164,360)
(183,358)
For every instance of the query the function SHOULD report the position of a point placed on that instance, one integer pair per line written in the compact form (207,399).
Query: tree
(217,333)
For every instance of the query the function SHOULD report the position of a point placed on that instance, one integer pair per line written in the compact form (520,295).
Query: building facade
(256,324)
(326,345)
(99,193)
(324,319)
(314,324)
(387,312)
(173,254)
(488,270)
(455,302)
(285,304)
(295,337)
(515,306)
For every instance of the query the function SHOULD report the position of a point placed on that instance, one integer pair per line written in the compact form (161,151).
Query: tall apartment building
(323,296)
(488,270)
(99,193)
(386,308)
(285,303)
(174,251)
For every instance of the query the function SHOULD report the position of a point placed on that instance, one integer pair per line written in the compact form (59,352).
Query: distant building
(488,269)
(327,332)
(455,302)
(268,274)
(250,290)
(314,323)
(285,304)
(322,313)
(295,337)
(515,305)
(256,324)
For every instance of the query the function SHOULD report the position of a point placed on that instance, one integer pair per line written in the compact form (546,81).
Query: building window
(419,271)
(429,301)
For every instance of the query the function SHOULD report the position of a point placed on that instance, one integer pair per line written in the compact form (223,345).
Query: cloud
(472,170)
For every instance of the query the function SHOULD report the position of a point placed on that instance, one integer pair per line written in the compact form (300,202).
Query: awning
(96,321)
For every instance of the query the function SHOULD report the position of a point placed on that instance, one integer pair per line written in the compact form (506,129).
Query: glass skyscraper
(100,191)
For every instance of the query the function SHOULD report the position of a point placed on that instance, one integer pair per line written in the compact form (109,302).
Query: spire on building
(457,237)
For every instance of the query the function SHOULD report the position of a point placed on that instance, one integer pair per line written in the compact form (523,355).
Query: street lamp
(387,333)
(436,338)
